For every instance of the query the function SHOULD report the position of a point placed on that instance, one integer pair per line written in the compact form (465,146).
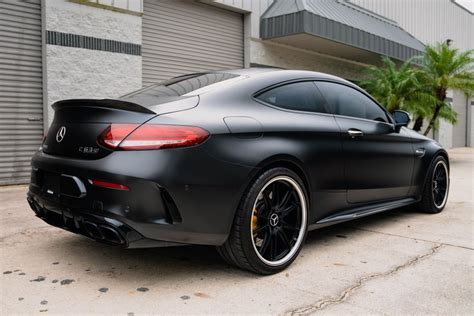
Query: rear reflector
(109,185)
(151,136)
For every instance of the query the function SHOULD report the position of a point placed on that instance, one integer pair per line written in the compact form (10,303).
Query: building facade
(62,49)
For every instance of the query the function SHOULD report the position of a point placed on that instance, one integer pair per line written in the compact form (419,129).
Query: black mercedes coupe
(247,160)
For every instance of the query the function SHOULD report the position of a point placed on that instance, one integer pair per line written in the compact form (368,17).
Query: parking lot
(400,262)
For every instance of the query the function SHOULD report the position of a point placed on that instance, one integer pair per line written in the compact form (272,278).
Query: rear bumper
(169,201)
(99,228)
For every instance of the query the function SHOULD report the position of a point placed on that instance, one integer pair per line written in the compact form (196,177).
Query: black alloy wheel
(440,184)
(277,220)
(270,225)
(436,191)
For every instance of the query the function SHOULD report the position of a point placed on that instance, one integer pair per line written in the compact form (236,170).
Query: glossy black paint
(189,195)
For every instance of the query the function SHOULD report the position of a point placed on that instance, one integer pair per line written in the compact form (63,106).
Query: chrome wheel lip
(302,229)
(445,167)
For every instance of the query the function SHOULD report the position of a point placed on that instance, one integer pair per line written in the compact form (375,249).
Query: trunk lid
(78,122)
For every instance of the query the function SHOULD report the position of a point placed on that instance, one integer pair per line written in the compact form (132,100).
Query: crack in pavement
(319,305)
(408,237)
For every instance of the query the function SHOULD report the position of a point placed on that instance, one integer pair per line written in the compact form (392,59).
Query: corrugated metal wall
(428,20)
(21,98)
(182,37)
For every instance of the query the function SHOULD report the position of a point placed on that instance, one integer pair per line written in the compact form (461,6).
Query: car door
(378,159)
(313,137)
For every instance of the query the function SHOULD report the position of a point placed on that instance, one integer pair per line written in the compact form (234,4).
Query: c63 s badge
(89,150)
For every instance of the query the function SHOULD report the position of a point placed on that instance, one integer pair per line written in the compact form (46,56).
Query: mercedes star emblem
(60,134)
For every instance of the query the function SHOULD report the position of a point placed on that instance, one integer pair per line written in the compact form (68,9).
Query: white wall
(460,128)
(279,55)
(83,73)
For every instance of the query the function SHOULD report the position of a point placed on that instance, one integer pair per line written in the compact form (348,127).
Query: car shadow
(141,265)
(169,263)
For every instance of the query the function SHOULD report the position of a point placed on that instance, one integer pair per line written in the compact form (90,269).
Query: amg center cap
(274,219)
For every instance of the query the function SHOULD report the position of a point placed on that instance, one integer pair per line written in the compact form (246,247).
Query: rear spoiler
(102,103)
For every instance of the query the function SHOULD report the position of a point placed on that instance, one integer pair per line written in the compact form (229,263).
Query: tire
(431,202)
(270,224)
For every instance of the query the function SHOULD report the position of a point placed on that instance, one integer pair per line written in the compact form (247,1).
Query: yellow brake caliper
(254,220)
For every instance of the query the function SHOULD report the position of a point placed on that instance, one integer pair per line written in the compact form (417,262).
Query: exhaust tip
(111,235)
(103,233)
(93,230)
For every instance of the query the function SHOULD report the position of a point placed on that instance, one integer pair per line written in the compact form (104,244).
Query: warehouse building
(58,49)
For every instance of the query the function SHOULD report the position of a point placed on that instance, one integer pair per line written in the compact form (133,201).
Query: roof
(340,21)
(286,74)
(246,71)
(281,75)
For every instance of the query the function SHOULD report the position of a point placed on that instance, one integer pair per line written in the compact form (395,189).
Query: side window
(343,100)
(301,96)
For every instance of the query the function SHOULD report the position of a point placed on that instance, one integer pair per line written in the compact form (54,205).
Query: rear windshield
(173,89)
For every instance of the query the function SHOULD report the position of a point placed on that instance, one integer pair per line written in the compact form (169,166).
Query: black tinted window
(343,100)
(301,96)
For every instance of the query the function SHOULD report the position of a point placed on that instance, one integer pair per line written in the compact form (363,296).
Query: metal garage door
(180,37)
(21,104)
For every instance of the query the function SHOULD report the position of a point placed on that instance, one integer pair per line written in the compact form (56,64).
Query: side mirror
(401,118)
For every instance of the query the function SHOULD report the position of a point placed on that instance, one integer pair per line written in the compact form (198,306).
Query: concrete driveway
(401,262)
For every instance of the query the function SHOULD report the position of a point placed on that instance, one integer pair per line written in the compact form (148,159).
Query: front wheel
(270,225)
(435,193)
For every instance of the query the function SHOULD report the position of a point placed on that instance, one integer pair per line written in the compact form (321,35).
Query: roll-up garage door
(182,37)
(21,104)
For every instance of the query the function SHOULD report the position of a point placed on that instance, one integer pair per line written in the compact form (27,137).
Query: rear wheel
(435,193)
(270,225)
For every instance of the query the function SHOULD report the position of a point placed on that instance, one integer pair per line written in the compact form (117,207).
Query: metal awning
(339,28)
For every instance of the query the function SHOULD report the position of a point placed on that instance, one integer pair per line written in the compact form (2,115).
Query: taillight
(151,136)
(114,134)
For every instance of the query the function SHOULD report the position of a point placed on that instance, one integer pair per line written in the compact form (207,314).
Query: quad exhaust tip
(103,233)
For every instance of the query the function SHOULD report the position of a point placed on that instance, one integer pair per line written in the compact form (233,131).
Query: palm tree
(446,68)
(400,88)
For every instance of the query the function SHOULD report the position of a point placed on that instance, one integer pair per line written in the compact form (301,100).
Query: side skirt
(360,212)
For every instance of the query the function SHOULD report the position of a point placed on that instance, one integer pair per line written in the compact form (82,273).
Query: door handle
(355,133)
(420,152)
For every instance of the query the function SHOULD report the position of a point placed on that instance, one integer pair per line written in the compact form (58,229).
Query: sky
(468,4)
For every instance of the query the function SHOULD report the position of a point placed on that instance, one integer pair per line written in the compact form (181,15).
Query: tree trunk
(441,94)
(418,124)
(433,120)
